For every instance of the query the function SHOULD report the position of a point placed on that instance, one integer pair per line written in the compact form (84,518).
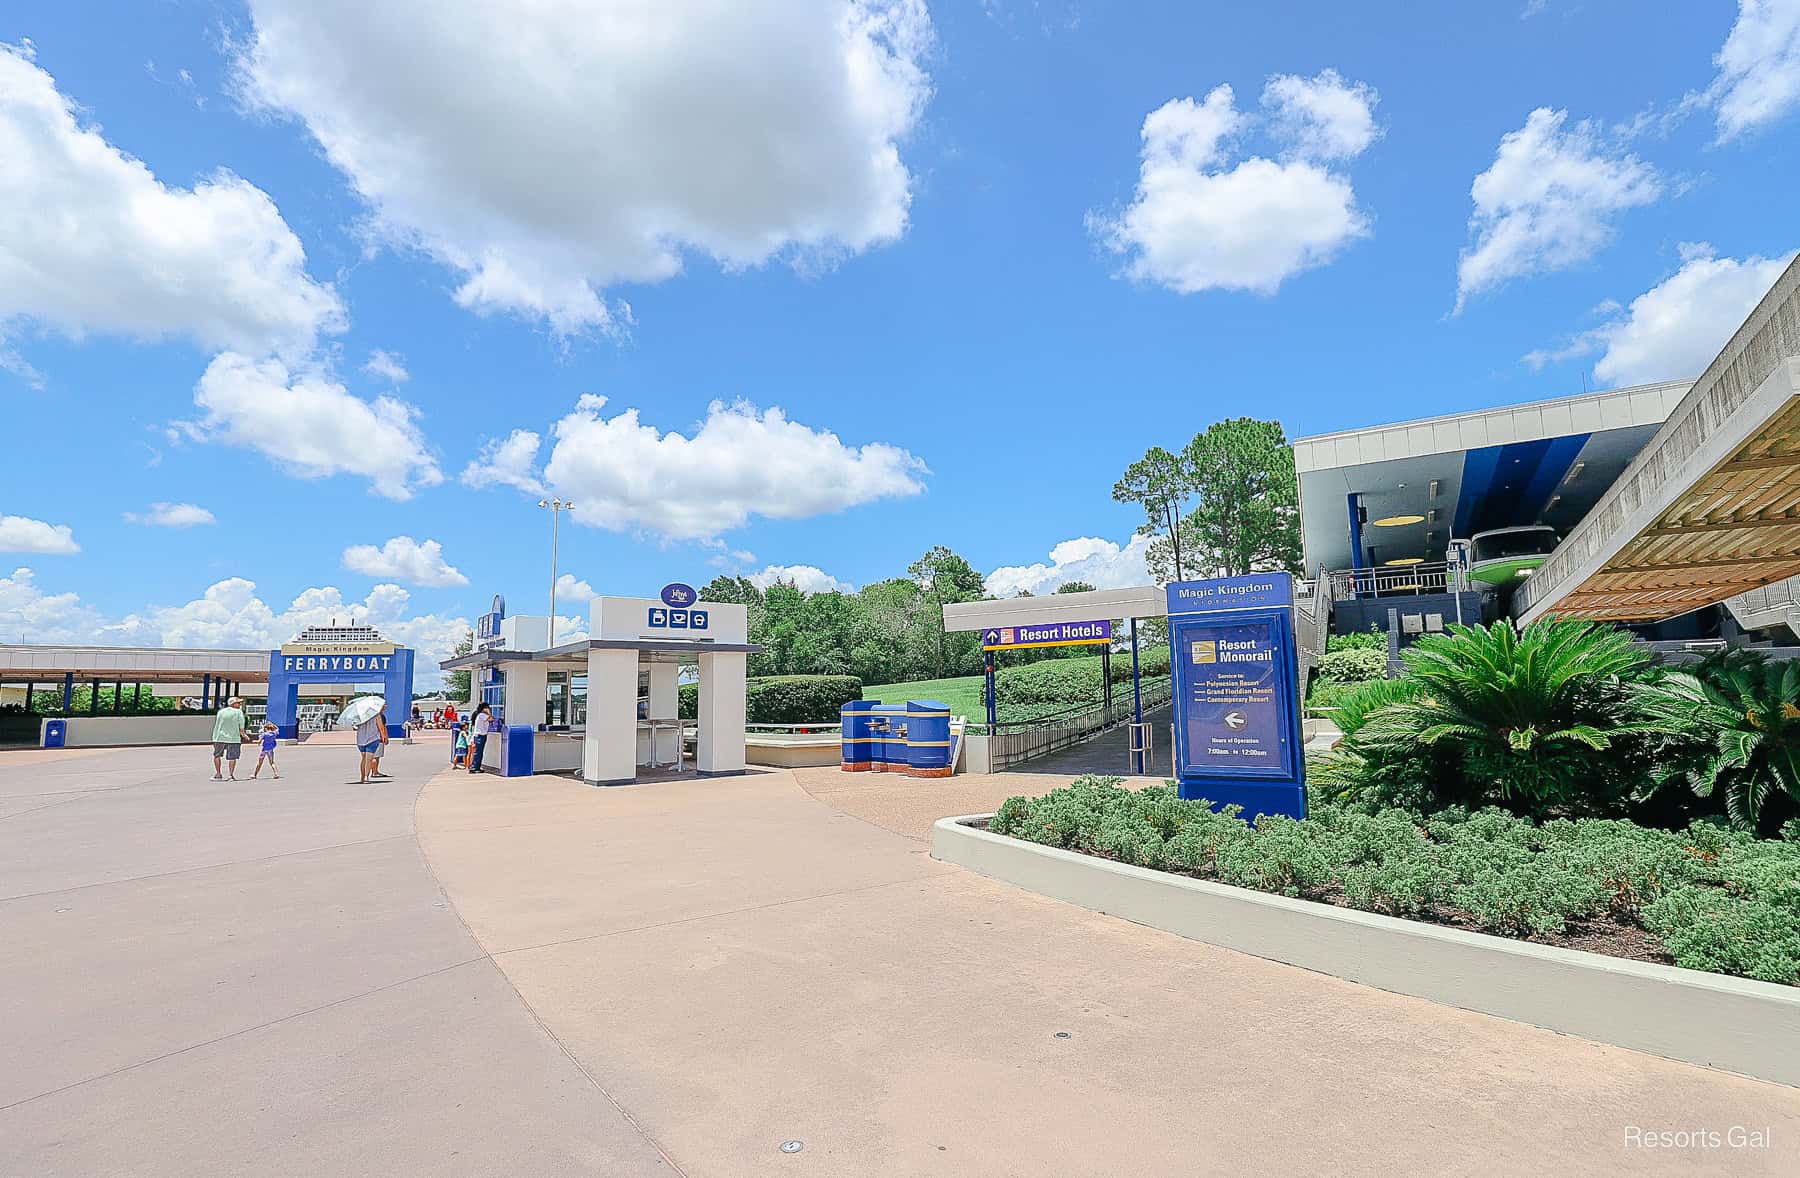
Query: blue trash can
(56,733)
(516,757)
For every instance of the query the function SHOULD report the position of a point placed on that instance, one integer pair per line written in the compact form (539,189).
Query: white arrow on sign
(1235,720)
(991,637)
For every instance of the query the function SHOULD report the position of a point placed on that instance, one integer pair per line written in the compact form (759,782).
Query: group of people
(228,742)
(444,717)
(371,740)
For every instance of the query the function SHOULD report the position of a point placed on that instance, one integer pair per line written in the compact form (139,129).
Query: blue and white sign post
(1237,718)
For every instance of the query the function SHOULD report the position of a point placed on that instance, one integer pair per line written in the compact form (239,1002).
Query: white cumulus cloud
(804,577)
(1758,82)
(1548,201)
(624,474)
(1673,330)
(21,534)
(171,515)
(91,241)
(311,425)
(571,588)
(387,366)
(404,559)
(507,462)
(583,145)
(1088,559)
(1200,222)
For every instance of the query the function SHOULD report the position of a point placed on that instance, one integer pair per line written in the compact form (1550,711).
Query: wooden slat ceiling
(1736,528)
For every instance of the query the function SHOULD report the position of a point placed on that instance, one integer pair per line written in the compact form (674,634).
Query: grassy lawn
(963,694)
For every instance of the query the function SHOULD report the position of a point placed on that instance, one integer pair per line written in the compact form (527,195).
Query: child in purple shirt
(267,753)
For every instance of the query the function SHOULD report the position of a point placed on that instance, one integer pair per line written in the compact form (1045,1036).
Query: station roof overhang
(1140,601)
(576,651)
(1711,507)
(133,664)
(1547,462)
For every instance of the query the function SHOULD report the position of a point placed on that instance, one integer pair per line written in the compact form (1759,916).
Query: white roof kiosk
(610,703)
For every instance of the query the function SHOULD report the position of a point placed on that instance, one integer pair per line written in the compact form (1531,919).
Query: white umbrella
(360,711)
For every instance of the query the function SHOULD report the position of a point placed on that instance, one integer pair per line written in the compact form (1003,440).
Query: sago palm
(1742,717)
(1525,715)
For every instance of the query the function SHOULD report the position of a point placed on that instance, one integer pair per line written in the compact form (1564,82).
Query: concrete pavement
(261,978)
(277,978)
(741,962)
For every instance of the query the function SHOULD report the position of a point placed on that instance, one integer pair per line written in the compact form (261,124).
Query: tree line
(1227,503)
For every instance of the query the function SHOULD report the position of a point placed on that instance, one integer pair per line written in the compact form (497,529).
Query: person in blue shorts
(371,734)
(267,753)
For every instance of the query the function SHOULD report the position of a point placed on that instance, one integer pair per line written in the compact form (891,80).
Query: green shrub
(1736,723)
(1538,720)
(1706,928)
(1356,640)
(1719,898)
(1073,681)
(785,699)
(1356,665)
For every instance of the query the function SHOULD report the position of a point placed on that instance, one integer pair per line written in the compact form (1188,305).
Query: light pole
(557,507)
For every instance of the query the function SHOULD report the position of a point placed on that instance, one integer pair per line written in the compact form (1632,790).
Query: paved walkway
(534,977)
(1110,752)
(261,978)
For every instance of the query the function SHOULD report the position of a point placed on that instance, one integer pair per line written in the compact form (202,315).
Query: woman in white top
(483,723)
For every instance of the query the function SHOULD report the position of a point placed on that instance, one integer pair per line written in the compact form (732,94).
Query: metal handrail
(1387,581)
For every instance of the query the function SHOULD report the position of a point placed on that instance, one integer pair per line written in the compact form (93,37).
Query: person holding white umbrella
(368,715)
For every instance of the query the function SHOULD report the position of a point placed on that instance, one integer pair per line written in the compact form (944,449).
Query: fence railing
(1016,741)
(1397,580)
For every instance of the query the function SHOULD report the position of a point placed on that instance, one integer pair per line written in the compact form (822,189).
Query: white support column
(665,704)
(609,752)
(721,747)
(527,685)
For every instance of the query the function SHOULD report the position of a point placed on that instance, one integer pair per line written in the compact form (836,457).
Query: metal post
(137,697)
(118,695)
(30,688)
(557,507)
(992,711)
(206,691)
(1106,680)
(93,697)
(68,691)
(1137,691)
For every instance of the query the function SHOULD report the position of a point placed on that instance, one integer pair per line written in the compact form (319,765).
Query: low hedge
(1717,899)
(1073,681)
(1355,665)
(786,699)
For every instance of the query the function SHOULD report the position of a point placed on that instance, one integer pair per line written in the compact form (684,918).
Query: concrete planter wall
(1735,1024)
(114,731)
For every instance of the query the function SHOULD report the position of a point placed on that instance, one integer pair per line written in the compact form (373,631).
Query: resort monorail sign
(1237,718)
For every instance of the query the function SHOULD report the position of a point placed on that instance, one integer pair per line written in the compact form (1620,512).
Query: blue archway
(287,671)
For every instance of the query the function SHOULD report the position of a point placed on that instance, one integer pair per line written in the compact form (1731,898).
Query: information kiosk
(608,706)
(1236,686)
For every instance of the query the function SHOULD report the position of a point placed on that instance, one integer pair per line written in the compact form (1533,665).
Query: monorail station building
(1673,508)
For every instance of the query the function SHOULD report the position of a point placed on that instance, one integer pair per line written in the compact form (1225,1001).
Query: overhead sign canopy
(1047,634)
(1139,601)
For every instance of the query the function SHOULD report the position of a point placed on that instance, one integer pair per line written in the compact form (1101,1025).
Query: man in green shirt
(228,736)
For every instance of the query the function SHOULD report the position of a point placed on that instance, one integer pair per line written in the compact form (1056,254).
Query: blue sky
(944,242)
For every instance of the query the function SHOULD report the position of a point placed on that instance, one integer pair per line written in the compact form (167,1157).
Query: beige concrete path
(738,962)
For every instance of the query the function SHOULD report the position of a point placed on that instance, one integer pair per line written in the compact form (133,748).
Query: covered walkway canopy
(1711,506)
(220,673)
